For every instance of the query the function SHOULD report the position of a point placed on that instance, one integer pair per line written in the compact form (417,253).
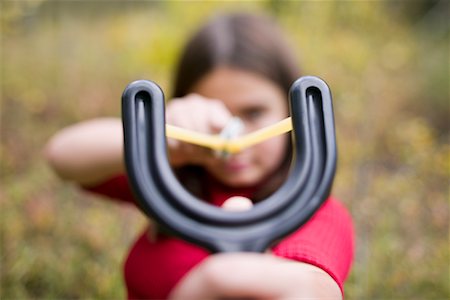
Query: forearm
(256,276)
(87,152)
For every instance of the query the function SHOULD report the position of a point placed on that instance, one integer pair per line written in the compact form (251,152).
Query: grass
(62,63)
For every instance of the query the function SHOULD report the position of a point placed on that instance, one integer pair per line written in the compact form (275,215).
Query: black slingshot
(162,197)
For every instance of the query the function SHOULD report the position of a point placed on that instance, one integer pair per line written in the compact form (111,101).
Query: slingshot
(162,197)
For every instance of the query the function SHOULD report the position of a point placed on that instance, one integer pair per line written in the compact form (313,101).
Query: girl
(237,65)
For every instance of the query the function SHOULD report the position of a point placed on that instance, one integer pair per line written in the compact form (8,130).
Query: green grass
(63,62)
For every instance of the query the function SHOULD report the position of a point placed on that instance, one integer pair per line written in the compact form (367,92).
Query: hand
(254,275)
(199,114)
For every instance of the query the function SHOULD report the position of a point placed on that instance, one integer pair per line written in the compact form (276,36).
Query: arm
(255,276)
(88,152)
(92,151)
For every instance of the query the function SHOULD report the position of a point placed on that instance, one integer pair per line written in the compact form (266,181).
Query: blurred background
(387,63)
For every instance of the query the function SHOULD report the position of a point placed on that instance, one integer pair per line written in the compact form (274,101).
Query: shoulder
(325,241)
(330,221)
(333,211)
(117,187)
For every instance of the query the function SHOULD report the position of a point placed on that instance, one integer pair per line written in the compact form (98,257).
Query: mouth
(234,166)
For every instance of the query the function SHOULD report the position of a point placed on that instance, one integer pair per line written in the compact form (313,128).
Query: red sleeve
(325,241)
(116,188)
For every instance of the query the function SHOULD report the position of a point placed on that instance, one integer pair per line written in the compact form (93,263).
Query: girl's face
(258,102)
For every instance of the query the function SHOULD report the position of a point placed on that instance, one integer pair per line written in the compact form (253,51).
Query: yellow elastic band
(215,142)
(206,140)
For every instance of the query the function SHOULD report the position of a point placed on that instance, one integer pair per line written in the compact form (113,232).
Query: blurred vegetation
(387,64)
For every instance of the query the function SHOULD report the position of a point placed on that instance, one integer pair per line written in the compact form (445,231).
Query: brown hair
(245,41)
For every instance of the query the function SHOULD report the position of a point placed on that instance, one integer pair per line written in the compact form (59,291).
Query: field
(387,64)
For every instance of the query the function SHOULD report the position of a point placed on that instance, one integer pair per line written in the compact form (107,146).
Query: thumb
(237,203)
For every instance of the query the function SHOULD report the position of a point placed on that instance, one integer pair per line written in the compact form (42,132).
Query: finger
(237,203)
(219,115)
(193,113)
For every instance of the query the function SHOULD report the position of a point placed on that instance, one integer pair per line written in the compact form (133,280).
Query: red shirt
(153,268)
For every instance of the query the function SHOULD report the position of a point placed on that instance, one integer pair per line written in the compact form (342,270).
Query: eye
(252,114)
